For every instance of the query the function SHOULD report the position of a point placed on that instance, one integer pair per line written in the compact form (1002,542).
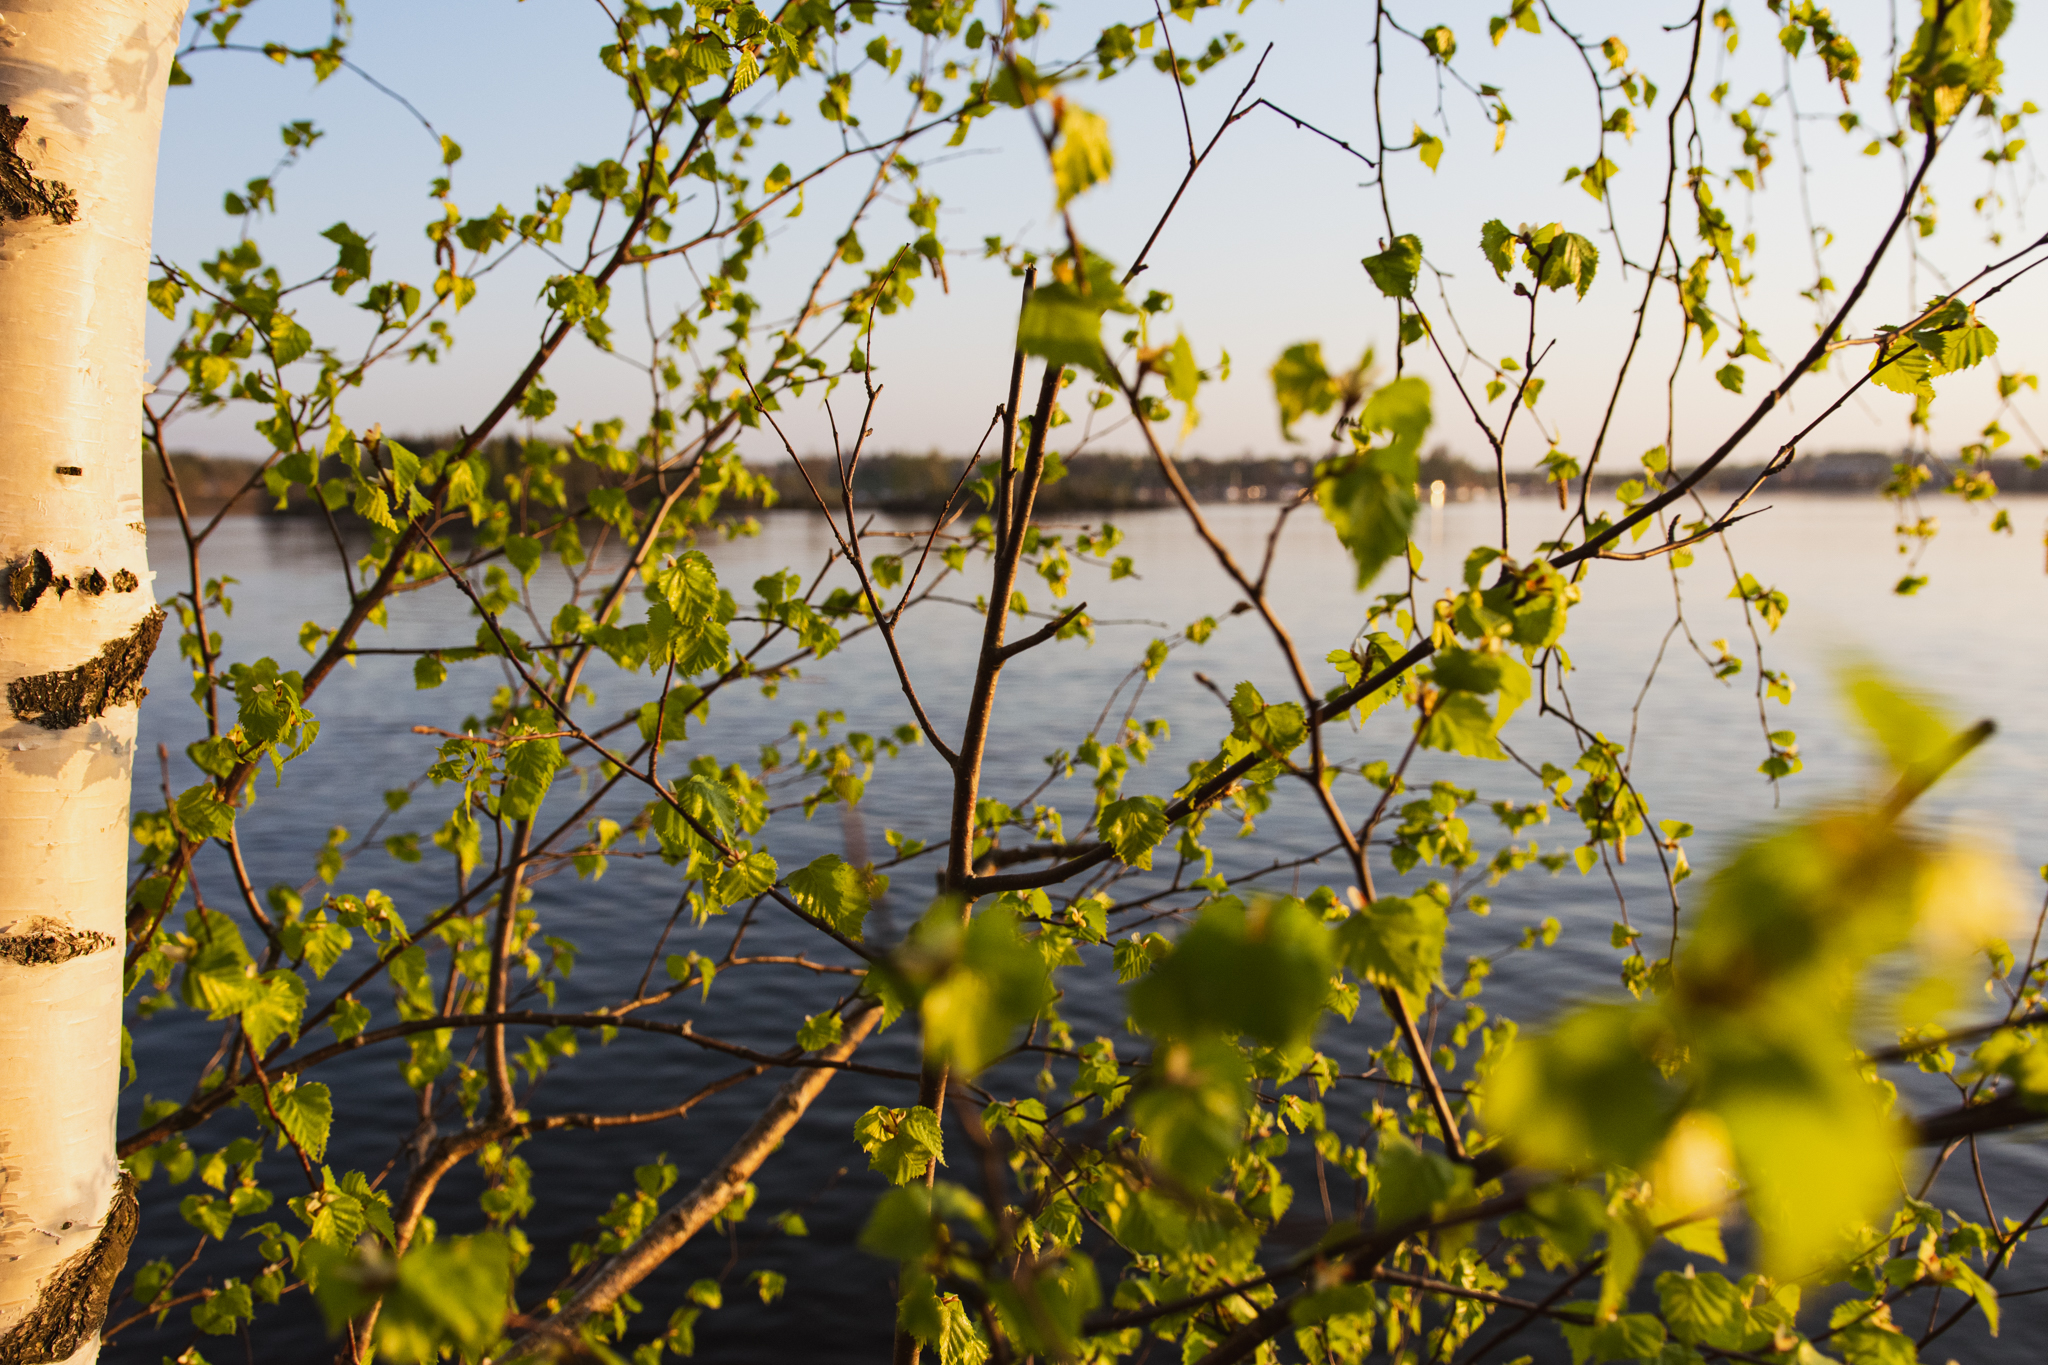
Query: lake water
(1977,634)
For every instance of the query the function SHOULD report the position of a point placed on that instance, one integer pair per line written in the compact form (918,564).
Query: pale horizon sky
(1262,253)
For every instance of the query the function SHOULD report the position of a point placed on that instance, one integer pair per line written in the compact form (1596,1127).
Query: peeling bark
(71,1305)
(47,942)
(28,580)
(22,194)
(73,696)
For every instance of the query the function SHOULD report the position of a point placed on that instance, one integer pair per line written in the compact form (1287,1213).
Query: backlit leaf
(832,889)
(1394,270)
(1369,497)
(1082,157)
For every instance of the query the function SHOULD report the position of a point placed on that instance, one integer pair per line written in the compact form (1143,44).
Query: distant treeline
(1093,483)
(922,483)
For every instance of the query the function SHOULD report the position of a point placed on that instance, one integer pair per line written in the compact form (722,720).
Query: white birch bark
(77,180)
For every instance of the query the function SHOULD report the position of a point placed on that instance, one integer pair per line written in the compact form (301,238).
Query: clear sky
(1262,253)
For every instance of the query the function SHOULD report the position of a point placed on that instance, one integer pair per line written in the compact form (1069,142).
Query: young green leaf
(1394,270)
(833,890)
(1082,157)
(1133,827)
(1369,496)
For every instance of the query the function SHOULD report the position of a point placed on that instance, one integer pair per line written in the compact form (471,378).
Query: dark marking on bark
(93,584)
(28,578)
(73,696)
(22,194)
(71,1305)
(70,469)
(47,942)
(126,581)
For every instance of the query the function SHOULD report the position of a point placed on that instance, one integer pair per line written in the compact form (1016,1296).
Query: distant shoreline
(1099,483)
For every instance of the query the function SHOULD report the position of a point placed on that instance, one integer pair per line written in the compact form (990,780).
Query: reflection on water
(1976,635)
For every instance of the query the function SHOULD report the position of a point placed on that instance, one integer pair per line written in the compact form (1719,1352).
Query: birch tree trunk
(81,108)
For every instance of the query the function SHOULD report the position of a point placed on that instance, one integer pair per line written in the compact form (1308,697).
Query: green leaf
(1272,732)
(1465,670)
(341,1212)
(1704,1309)
(371,505)
(288,340)
(1559,258)
(1863,1344)
(1262,971)
(1082,157)
(211,1216)
(1369,497)
(832,889)
(1729,377)
(1959,349)
(530,768)
(1910,730)
(769,1284)
(1497,241)
(1811,1142)
(1042,1308)
(979,983)
(220,976)
(164,295)
(450,1294)
(820,1031)
(901,1143)
(276,1011)
(1594,181)
(1302,384)
(524,554)
(1459,721)
(903,1224)
(1429,147)
(306,1111)
(710,802)
(1903,368)
(899,1228)
(355,255)
(1183,376)
(960,1339)
(1062,322)
(1132,828)
(686,620)
(2021,1060)
(1339,1301)
(1632,1336)
(1413,1182)
(201,813)
(1397,942)
(1587,1092)
(1062,326)
(230,1306)
(350,1017)
(743,880)
(1158,1223)
(428,1055)
(1394,270)
(1191,1112)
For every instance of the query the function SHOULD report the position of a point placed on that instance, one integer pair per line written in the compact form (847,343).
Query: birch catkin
(81,108)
